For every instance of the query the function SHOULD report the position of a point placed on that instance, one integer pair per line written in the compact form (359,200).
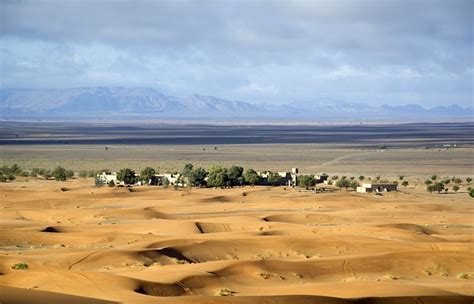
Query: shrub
(20,266)
(401,177)
(306,181)
(11,177)
(468,180)
(59,173)
(111,184)
(405,184)
(165,182)
(251,177)
(98,182)
(147,175)
(225,292)
(127,176)
(343,183)
(361,177)
(335,177)
(428,182)
(83,174)
(471,192)
(434,177)
(3,179)
(69,174)
(218,177)
(353,184)
(455,188)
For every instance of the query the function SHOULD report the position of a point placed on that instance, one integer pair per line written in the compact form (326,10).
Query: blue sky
(275,52)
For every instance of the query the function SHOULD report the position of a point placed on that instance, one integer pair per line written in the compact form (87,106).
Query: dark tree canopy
(251,176)
(127,176)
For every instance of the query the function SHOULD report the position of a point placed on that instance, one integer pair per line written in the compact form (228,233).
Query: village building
(382,187)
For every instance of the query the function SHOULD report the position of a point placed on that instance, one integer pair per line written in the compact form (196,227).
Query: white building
(368,188)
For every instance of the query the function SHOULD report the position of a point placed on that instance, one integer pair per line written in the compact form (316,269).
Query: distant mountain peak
(147,102)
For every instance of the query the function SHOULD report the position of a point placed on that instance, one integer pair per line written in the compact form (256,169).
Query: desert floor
(85,244)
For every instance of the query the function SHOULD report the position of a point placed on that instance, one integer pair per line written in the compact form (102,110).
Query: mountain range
(122,102)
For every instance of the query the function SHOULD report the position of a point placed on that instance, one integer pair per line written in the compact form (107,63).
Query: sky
(273,52)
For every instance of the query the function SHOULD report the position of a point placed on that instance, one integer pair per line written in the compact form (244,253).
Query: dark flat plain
(395,135)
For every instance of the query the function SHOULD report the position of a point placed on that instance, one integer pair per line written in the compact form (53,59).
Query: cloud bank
(263,51)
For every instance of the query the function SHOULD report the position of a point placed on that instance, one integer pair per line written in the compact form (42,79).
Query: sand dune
(255,244)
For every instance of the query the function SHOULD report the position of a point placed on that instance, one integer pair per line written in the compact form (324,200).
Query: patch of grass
(463,276)
(178,261)
(225,292)
(20,266)
(267,275)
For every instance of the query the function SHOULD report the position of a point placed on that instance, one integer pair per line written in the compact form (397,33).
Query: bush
(343,183)
(218,177)
(98,182)
(335,177)
(434,177)
(471,192)
(165,182)
(455,188)
(405,184)
(147,175)
(127,176)
(361,177)
(354,184)
(468,180)
(59,173)
(251,177)
(20,266)
(3,179)
(401,177)
(306,181)
(69,174)
(428,182)
(83,174)
(111,184)
(11,177)
(225,292)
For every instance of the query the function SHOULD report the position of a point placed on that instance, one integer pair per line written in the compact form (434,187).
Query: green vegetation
(471,192)
(343,183)
(83,174)
(361,177)
(439,186)
(405,184)
(468,180)
(353,185)
(434,177)
(225,292)
(20,266)
(127,176)
(147,175)
(306,181)
(455,188)
(165,182)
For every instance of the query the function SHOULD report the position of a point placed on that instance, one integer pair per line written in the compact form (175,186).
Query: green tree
(148,175)
(354,184)
(468,180)
(405,184)
(273,178)
(11,177)
(251,177)
(401,177)
(306,181)
(111,184)
(439,186)
(218,177)
(361,177)
(455,188)
(3,178)
(198,177)
(127,176)
(59,173)
(235,175)
(471,193)
(434,177)
(343,183)
(428,182)
(165,182)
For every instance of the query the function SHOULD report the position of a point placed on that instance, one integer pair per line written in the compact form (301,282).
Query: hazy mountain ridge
(147,102)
